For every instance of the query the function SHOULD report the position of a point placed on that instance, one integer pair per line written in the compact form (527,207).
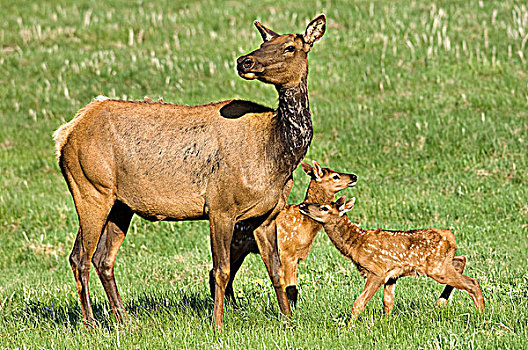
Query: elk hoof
(441,302)
(292,293)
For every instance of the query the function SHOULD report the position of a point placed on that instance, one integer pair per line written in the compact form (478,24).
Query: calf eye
(336,177)
(324,208)
(289,49)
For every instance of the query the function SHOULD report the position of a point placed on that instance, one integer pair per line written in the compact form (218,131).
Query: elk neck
(317,193)
(344,234)
(294,126)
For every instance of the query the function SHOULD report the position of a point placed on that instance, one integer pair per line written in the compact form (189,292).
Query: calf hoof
(441,302)
(292,293)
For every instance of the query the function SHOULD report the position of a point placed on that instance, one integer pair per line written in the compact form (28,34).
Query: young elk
(383,256)
(223,162)
(295,232)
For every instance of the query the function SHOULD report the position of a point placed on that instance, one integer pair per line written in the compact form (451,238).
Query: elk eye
(336,177)
(289,48)
(324,208)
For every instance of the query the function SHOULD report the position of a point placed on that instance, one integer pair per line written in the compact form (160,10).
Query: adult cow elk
(223,162)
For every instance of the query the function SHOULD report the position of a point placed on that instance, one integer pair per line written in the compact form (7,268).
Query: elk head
(281,59)
(324,213)
(329,179)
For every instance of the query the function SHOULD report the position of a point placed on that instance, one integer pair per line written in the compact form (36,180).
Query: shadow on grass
(68,312)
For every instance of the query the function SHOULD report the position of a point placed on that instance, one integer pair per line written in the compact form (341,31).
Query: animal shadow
(68,312)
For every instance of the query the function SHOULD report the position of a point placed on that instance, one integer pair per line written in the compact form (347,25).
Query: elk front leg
(106,252)
(229,293)
(266,236)
(221,234)
(372,284)
(290,277)
(459,263)
(235,266)
(388,296)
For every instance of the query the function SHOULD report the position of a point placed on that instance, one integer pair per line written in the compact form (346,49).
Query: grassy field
(426,102)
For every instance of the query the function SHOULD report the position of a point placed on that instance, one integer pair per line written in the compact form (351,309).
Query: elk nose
(245,64)
(353,180)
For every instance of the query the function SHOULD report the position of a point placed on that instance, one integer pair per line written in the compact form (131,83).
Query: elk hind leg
(459,263)
(457,280)
(106,252)
(93,211)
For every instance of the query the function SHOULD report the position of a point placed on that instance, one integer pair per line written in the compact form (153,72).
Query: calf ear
(266,33)
(340,201)
(314,31)
(347,206)
(317,171)
(307,168)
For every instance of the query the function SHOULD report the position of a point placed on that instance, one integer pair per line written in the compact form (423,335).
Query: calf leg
(290,278)
(459,263)
(106,252)
(457,280)
(388,296)
(266,237)
(372,284)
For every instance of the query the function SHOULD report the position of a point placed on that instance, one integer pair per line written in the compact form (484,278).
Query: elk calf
(295,232)
(383,256)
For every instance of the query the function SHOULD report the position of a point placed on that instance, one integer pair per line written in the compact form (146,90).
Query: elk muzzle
(353,180)
(303,208)
(248,68)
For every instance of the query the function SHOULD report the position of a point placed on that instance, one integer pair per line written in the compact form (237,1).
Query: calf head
(325,213)
(327,179)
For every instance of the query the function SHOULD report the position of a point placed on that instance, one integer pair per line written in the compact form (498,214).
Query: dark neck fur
(294,125)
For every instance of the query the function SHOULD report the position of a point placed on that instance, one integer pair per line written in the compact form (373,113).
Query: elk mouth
(352,183)
(248,68)
(303,209)
(248,75)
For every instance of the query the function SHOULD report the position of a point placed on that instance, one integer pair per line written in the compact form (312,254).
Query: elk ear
(317,171)
(266,33)
(347,206)
(314,31)
(307,168)
(340,201)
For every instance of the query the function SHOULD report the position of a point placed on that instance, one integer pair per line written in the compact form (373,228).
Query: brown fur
(383,256)
(295,232)
(224,161)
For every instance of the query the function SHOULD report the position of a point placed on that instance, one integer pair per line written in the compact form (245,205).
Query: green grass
(426,103)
